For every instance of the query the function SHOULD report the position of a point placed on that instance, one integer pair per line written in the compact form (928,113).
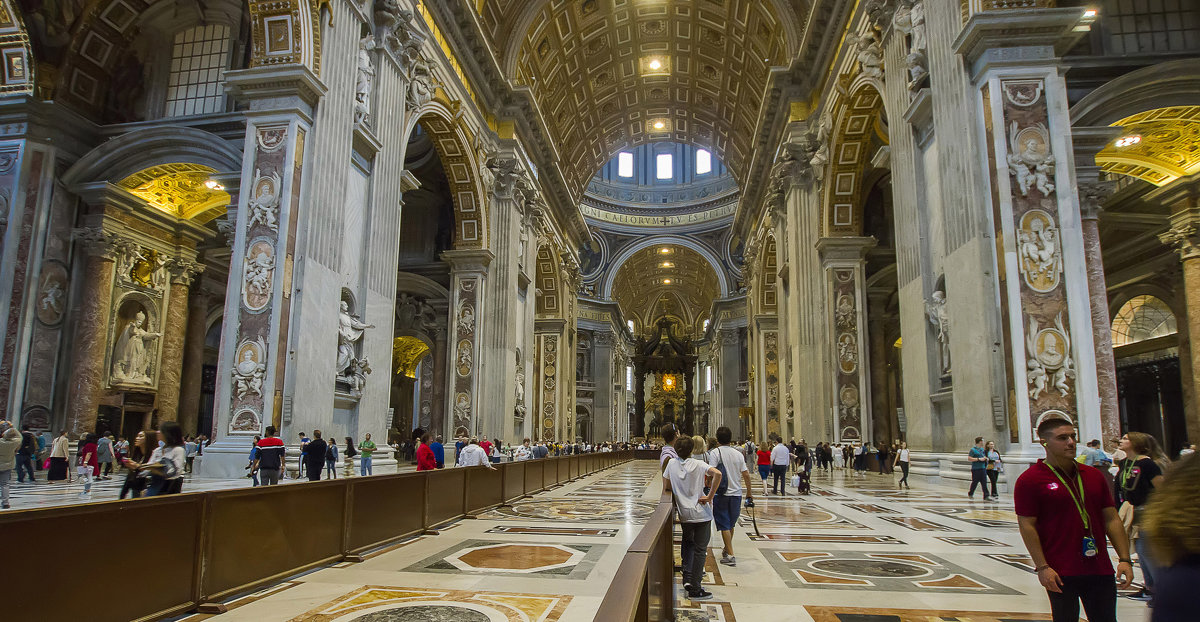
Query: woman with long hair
(144,445)
(902,460)
(995,466)
(1138,475)
(87,463)
(166,463)
(349,457)
(1172,527)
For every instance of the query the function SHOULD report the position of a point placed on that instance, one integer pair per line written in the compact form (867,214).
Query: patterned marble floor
(857,550)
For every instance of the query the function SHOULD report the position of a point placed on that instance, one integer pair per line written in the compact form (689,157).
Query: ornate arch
(130,153)
(453,139)
(857,118)
(629,251)
(549,296)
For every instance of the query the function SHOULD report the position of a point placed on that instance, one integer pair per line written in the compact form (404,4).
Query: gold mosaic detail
(1158,146)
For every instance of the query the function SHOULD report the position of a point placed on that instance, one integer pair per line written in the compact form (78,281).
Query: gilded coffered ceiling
(682,276)
(608,74)
(183,190)
(1158,145)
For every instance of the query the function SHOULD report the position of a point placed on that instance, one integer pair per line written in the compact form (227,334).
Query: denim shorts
(726,511)
(764,471)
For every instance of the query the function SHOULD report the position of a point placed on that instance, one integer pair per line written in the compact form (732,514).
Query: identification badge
(1089,546)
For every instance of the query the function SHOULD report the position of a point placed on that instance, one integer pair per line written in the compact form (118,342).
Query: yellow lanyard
(1071,491)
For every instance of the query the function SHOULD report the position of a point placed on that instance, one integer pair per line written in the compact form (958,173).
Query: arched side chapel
(377,217)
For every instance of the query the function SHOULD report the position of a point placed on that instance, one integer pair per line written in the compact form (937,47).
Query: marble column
(91,329)
(603,407)
(1184,236)
(728,374)
(174,328)
(844,261)
(1092,194)
(469,322)
(191,379)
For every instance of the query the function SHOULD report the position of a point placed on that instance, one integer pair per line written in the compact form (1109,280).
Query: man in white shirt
(727,506)
(474,455)
(686,479)
(781,458)
(524,452)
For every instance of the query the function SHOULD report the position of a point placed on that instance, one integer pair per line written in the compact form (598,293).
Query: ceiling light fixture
(213,184)
(666,281)
(667,264)
(1089,13)
(666,250)
(1127,141)
(658,125)
(656,64)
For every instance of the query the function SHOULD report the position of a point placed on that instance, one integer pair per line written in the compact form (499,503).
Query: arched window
(703,161)
(1141,318)
(199,57)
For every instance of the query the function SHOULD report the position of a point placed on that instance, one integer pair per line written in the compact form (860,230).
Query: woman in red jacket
(425,459)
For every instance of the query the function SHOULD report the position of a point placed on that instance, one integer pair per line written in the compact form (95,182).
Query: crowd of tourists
(154,464)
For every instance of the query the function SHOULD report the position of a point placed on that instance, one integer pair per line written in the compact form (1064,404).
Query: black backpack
(724,487)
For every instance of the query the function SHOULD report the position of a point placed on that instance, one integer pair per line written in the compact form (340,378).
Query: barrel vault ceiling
(590,66)
(640,285)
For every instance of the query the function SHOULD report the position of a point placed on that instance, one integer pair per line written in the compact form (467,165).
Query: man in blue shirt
(1093,456)
(439,452)
(978,459)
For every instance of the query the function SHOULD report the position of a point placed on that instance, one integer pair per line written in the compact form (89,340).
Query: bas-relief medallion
(1039,250)
(846,351)
(1049,358)
(549,383)
(264,202)
(249,368)
(245,421)
(463,362)
(52,293)
(259,275)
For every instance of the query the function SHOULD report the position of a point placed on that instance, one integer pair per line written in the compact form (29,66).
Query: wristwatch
(1125,561)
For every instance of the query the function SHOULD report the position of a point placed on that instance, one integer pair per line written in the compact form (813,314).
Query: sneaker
(729,560)
(1140,595)
(85,495)
(699,594)
(5,506)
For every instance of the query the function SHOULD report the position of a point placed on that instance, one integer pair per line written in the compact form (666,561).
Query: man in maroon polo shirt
(1064,510)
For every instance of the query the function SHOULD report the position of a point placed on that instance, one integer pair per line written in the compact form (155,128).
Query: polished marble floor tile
(555,531)
(892,571)
(821,537)
(917,523)
(858,614)
(570,561)
(388,604)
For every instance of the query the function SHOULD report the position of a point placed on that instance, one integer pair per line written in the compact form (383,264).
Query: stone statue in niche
(519,410)
(350,332)
(397,33)
(132,357)
(250,368)
(870,54)
(1038,250)
(1049,363)
(935,310)
(366,79)
(264,202)
(1030,159)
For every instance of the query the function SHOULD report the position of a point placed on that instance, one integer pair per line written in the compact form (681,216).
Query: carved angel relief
(264,203)
(1049,363)
(1039,250)
(1029,159)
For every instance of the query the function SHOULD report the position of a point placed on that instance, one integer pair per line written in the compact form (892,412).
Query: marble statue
(1038,250)
(910,20)
(519,410)
(397,32)
(870,54)
(131,358)
(366,79)
(421,84)
(1030,159)
(264,202)
(935,310)
(251,370)
(350,332)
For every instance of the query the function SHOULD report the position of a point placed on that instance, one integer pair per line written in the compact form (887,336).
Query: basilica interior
(579,221)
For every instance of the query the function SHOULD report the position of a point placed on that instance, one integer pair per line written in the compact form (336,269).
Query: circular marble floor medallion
(583,509)
(425,613)
(870,568)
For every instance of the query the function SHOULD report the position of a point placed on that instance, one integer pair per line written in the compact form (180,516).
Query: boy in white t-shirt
(686,479)
(727,506)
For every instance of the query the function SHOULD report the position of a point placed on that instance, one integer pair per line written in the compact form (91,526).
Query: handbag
(46,464)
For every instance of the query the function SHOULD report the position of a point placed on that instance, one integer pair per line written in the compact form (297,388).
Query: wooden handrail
(643,587)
